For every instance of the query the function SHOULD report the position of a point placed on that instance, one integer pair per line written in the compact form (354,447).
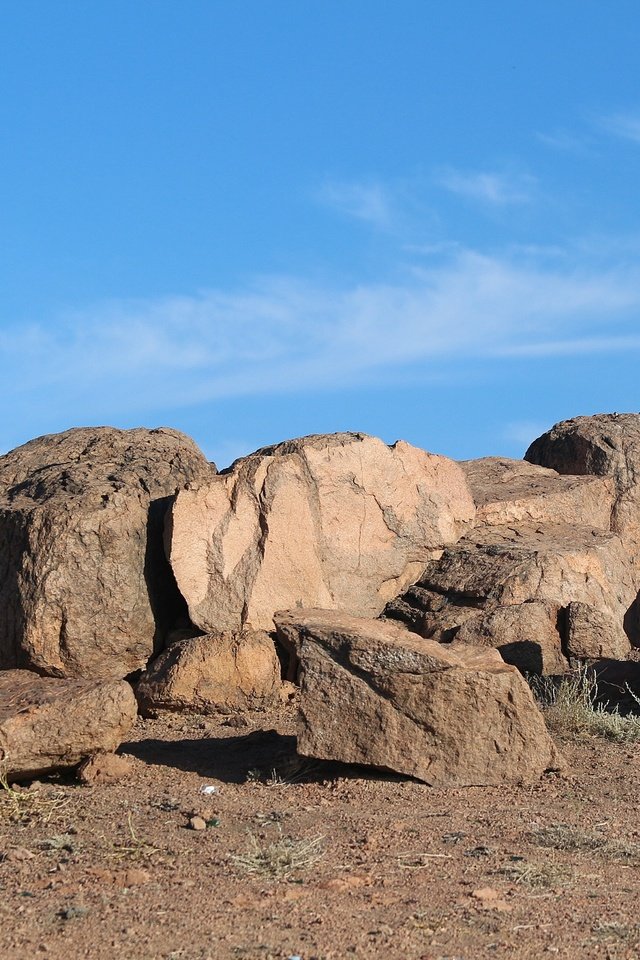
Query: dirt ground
(317,861)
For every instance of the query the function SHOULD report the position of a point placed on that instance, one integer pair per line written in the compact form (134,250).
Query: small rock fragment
(104,768)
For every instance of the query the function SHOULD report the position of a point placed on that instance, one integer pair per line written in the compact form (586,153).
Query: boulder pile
(405,594)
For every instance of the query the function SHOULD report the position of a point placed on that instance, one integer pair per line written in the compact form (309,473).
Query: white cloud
(496,189)
(370,201)
(624,125)
(287,335)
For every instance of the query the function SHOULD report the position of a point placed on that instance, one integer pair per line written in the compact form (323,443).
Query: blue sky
(256,219)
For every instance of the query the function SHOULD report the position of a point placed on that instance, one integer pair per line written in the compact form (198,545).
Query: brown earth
(394,869)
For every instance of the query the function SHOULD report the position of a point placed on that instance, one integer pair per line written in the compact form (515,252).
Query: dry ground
(317,861)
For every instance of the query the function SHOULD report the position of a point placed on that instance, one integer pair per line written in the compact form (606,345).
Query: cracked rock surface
(513,587)
(85,590)
(374,693)
(47,724)
(340,521)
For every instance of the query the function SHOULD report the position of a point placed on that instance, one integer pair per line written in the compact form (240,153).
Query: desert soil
(317,861)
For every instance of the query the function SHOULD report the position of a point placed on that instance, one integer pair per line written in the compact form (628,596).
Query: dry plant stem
(280,858)
(22,805)
(571,709)
(137,848)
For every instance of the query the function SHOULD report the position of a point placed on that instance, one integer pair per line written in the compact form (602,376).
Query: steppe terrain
(315,860)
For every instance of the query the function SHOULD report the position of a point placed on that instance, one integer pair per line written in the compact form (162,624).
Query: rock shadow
(262,755)
(169,608)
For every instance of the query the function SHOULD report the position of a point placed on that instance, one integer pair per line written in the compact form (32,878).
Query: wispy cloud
(496,189)
(368,201)
(287,335)
(565,142)
(624,125)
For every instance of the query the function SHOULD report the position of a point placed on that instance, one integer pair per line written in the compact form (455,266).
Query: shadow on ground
(262,754)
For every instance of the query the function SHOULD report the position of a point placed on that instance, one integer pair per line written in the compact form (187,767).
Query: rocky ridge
(332,561)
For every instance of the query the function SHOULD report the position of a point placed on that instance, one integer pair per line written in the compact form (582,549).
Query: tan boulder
(85,589)
(498,567)
(514,492)
(48,724)
(341,521)
(374,693)
(226,671)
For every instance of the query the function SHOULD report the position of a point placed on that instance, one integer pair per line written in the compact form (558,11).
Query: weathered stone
(527,635)
(340,521)
(85,589)
(104,768)
(496,567)
(374,693)
(592,634)
(606,445)
(236,671)
(47,724)
(514,492)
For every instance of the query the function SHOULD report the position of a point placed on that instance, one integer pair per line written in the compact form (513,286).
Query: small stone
(136,877)
(104,768)
(197,823)
(73,912)
(485,893)
(18,855)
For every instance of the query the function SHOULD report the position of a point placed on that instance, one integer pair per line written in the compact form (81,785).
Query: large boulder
(374,693)
(48,724)
(514,587)
(215,672)
(514,491)
(605,445)
(85,589)
(340,521)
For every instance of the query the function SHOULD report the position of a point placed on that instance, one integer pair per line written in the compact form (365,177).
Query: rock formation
(606,445)
(47,724)
(514,491)
(467,590)
(224,671)
(340,521)
(85,590)
(374,693)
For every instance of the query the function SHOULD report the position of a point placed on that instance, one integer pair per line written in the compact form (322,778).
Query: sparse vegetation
(20,805)
(134,847)
(562,836)
(281,857)
(547,875)
(572,709)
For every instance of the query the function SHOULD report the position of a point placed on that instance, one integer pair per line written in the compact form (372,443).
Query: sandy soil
(317,861)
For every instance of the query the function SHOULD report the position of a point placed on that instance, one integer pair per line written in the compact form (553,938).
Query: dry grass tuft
(545,875)
(281,857)
(561,836)
(571,709)
(22,806)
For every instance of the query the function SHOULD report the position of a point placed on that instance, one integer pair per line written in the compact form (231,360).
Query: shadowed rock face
(47,724)
(85,590)
(342,521)
(374,693)
(483,590)
(606,445)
